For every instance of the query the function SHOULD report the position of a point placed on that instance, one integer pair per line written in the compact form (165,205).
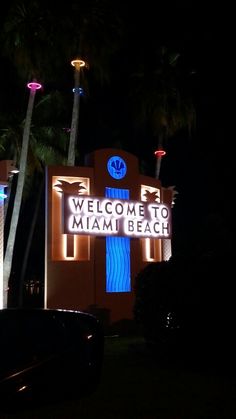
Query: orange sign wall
(81,271)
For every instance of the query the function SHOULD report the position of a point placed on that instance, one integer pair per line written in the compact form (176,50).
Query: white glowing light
(89,336)
(22,388)
(78,63)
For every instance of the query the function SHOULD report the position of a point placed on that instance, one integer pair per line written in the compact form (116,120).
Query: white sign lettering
(106,216)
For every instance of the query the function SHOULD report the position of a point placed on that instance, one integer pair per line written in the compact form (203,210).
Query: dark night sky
(202,175)
(194,165)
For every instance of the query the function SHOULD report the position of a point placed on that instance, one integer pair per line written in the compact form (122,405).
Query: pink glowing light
(34,85)
(160,153)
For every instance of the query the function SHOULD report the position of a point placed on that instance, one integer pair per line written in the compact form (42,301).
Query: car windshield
(26,338)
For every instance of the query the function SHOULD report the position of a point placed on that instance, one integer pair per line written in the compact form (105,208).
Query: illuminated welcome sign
(114,217)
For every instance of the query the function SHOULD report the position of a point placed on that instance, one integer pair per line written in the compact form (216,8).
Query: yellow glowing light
(58,193)
(78,63)
(64,246)
(148,257)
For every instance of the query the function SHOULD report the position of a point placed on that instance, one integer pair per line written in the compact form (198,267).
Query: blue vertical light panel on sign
(117,254)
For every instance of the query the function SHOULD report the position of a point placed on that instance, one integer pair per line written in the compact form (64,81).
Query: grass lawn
(137,385)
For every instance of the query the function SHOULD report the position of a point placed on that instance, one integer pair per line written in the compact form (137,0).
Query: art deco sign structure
(104,222)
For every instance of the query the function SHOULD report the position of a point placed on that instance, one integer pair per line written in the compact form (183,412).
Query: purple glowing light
(34,85)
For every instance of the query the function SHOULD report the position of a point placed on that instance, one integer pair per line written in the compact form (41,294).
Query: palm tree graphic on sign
(75,188)
(69,188)
(151,196)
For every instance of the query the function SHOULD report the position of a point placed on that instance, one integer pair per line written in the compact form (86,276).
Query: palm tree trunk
(28,245)
(158,167)
(72,144)
(8,198)
(1,244)
(75,119)
(18,198)
(159,158)
(9,187)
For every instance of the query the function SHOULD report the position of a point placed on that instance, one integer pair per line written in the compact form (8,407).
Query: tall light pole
(33,86)
(77,64)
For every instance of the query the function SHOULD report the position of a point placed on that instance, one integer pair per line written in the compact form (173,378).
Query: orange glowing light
(78,63)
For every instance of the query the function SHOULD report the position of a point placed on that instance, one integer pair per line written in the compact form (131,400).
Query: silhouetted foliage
(200,280)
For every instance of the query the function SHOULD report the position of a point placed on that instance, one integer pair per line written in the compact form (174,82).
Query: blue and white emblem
(116,167)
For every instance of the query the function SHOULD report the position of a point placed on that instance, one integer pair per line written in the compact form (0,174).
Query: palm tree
(95,42)
(24,38)
(161,100)
(89,20)
(31,42)
(19,191)
(10,140)
(32,38)
(48,145)
(75,112)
